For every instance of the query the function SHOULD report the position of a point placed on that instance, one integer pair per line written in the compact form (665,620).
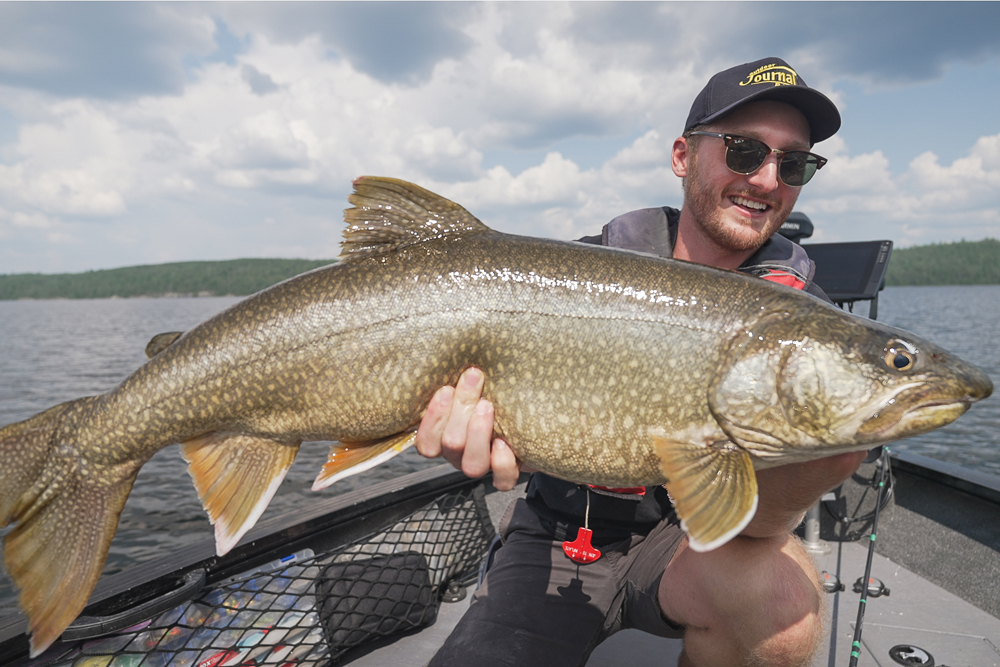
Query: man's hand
(458,425)
(787,491)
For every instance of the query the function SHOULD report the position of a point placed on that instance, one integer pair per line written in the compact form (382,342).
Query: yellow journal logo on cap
(779,75)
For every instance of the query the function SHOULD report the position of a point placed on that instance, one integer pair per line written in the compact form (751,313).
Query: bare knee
(792,603)
(752,601)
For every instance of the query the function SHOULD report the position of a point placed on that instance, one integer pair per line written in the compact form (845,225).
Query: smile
(749,203)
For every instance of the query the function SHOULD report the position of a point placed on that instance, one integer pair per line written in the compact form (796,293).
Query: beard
(704,204)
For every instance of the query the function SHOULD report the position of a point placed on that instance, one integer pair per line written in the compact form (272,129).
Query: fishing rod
(856,645)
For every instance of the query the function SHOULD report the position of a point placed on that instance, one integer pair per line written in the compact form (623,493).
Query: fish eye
(899,358)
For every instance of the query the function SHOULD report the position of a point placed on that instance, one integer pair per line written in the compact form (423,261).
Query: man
(743,158)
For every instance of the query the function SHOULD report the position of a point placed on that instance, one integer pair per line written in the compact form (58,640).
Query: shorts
(537,607)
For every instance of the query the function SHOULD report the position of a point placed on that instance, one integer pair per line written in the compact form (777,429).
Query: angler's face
(736,211)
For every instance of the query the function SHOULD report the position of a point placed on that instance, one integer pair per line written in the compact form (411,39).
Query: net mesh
(314,610)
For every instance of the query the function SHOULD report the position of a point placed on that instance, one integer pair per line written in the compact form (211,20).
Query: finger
(432,425)
(467,392)
(476,457)
(505,466)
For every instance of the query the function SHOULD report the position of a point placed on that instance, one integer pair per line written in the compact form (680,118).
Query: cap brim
(820,112)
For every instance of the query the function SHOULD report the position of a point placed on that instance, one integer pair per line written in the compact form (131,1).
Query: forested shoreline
(961,263)
(237,277)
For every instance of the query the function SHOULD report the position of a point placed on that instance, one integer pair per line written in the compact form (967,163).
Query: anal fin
(714,489)
(236,476)
(350,458)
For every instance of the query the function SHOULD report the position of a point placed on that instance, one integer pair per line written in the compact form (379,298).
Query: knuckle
(453,441)
(474,468)
(502,483)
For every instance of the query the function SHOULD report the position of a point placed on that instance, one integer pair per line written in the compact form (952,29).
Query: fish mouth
(906,414)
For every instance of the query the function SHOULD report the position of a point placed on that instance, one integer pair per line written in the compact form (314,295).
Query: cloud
(857,197)
(394,42)
(181,131)
(260,83)
(75,163)
(891,43)
(104,50)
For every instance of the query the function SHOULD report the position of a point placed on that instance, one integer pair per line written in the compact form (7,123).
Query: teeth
(757,206)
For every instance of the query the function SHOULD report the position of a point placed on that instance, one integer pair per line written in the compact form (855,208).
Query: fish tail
(65,513)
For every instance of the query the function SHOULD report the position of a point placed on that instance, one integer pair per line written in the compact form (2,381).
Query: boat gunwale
(974,482)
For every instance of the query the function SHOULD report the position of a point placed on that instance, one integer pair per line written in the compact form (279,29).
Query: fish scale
(606,367)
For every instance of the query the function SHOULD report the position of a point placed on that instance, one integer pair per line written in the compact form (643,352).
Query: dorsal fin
(389,214)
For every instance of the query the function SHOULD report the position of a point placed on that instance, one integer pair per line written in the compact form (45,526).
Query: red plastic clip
(581,550)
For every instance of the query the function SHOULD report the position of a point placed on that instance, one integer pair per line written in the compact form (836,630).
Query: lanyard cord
(856,646)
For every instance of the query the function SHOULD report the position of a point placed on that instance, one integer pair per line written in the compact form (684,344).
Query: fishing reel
(831,582)
(876,588)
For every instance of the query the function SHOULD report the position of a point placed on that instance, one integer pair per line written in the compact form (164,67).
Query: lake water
(53,351)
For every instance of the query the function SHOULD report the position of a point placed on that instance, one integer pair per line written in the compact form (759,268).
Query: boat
(381,575)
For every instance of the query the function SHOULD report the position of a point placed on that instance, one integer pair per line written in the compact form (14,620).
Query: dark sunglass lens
(745,155)
(797,168)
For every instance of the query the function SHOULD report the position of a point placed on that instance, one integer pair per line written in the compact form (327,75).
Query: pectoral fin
(236,477)
(350,458)
(714,489)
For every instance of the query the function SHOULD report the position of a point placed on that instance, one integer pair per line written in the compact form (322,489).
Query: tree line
(962,263)
(237,277)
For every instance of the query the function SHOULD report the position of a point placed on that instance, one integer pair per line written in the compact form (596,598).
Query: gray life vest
(654,230)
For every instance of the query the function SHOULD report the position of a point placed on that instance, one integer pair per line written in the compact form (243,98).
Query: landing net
(310,610)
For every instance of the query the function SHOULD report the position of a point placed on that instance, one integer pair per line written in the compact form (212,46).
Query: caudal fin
(65,513)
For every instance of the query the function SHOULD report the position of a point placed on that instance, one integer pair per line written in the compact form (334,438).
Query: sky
(143,133)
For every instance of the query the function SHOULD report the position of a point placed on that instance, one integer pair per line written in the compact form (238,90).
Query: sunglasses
(745,156)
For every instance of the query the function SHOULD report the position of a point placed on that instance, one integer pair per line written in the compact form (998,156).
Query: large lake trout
(607,367)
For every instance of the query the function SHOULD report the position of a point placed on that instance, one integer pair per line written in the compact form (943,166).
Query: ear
(679,156)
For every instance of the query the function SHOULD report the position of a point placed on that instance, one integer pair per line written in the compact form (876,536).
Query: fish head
(816,381)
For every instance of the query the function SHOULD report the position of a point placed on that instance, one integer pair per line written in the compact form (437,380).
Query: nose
(766,177)
(979,383)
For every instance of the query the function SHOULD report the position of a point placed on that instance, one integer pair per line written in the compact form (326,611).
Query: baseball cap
(766,79)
